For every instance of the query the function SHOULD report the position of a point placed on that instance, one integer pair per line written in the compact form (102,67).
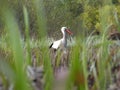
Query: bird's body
(56,44)
(62,43)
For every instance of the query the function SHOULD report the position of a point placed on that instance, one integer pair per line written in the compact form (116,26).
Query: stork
(62,43)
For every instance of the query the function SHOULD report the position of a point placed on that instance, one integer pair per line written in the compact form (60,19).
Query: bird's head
(65,29)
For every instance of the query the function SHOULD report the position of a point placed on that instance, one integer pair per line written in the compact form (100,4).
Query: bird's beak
(68,31)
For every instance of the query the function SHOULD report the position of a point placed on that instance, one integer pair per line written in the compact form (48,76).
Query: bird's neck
(64,40)
(64,36)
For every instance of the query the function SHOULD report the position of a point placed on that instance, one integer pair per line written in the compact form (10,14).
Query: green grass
(26,20)
(15,67)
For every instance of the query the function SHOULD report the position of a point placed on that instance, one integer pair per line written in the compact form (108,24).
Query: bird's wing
(50,45)
(56,44)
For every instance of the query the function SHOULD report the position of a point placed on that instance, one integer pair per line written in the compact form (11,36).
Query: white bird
(62,43)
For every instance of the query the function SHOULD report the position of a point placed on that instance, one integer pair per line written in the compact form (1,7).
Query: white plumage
(62,42)
(56,44)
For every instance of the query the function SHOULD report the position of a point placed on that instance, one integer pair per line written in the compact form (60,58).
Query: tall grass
(78,70)
(15,44)
(80,55)
(103,51)
(26,20)
(48,71)
(20,60)
(41,21)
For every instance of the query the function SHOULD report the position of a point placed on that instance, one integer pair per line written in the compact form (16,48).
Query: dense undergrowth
(93,60)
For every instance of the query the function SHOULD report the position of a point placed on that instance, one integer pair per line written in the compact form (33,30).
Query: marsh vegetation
(28,27)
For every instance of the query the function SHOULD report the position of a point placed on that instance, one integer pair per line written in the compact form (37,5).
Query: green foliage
(14,38)
(48,72)
(37,18)
(91,18)
(27,34)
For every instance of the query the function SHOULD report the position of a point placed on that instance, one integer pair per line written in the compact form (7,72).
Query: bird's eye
(65,28)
